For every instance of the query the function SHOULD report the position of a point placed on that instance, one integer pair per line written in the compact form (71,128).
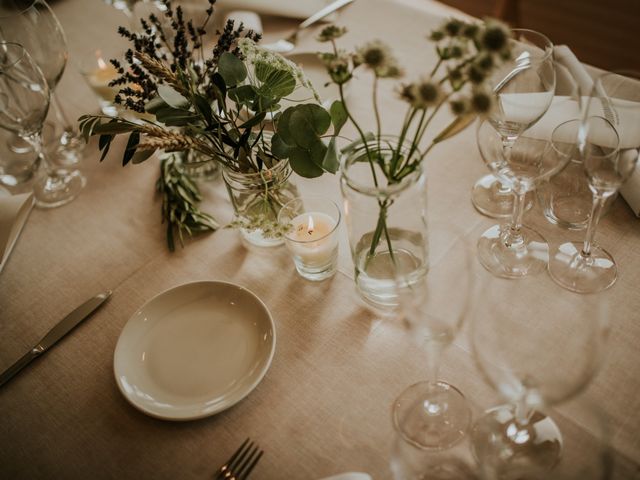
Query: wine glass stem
(513,237)
(433,362)
(522,412)
(596,212)
(59,112)
(35,140)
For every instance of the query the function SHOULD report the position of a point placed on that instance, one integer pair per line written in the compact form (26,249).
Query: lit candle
(311,238)
(100,77)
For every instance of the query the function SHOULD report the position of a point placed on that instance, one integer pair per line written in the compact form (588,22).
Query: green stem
(436,67)
(362,136)
(405,128)
(375,109)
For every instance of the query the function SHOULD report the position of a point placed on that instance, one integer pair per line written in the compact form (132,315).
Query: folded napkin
(14,210)
(349,476)
(282,8)
(568,107)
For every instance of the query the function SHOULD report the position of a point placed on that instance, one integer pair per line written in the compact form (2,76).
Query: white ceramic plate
(194,350)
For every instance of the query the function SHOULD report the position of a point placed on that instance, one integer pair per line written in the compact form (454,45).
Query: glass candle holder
(312,235)
(98,72)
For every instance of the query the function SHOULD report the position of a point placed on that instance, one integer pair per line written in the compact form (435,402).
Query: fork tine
(240,460)
(244,475)
(223,471)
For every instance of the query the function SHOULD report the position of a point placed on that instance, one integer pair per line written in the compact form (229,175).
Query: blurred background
(601,33)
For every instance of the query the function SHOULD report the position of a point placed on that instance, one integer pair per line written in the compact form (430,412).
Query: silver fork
(241,463)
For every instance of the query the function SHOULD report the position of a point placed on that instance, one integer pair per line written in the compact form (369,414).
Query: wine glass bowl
(513,250)
(24,103)
(566,198)
(585,267)
(32,24)
(24,97)
(434,414)
(537,345)
(524,90)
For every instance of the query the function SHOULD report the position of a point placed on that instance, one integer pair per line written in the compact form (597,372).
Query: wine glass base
(582,274)
(432,416)
(59,188)
(509,450)
(512,260)
(492,199)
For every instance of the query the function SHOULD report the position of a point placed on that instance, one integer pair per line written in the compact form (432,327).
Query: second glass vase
(386,223)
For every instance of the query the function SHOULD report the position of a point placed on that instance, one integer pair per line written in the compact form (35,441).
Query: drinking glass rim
(390,189)
(20,12)
(317,197)
(23,53)
(548,51)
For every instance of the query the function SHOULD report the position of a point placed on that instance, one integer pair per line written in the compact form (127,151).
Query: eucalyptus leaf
(307,123)
(243,95)
(283,127)
(171,97)
(279,148)
(338,116)
(232,69)
(301,163)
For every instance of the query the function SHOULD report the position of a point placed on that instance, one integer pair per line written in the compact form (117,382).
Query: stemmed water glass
(537,345)
(524,89)
(434,414)
(513,250)
(24,103)
(32,24)
(609,149)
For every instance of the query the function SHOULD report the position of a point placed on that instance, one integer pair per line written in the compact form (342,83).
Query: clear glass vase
(386,222)
(257,199)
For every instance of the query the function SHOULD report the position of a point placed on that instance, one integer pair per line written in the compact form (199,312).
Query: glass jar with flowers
(383,178)
(223,104)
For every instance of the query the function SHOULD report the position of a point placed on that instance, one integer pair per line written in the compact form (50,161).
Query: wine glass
(524,90)
(32,24)
(609,144)
(24,103)
(434,414)
(537,345)
(513,250)
(408,462)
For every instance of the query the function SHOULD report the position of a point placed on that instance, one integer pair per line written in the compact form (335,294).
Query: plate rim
(215,411)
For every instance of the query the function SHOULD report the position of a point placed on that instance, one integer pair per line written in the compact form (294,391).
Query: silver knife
(63,327)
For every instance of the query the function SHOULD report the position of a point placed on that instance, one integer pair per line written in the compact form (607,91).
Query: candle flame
(310,225)
(101,63)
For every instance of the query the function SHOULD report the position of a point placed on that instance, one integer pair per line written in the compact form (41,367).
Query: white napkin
(564,108)
(14,211)
(349,476)
(283,8)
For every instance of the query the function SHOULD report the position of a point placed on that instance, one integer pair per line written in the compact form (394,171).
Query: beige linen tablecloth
(324,405)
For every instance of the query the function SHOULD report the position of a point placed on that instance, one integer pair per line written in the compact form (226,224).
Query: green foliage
(180,197)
